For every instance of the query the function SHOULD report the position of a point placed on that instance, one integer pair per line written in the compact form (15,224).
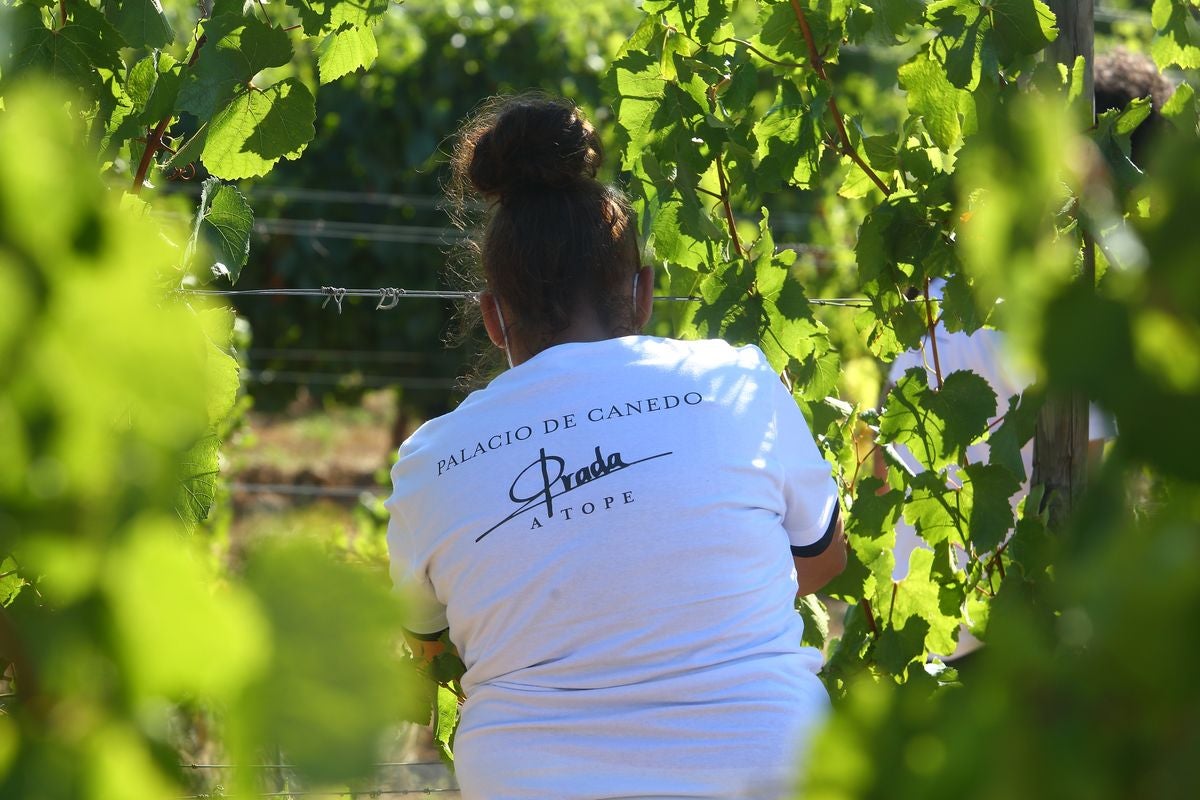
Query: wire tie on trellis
(335,294)
(389,297)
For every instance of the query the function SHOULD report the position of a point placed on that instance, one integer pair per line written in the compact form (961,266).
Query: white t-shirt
(605,530)
(982,352)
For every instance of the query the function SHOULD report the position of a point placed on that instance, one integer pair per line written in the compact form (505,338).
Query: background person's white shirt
(982,352)
(605,529)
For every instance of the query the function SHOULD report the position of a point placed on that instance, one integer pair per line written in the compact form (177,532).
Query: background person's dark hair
(553,237)
(1121,77)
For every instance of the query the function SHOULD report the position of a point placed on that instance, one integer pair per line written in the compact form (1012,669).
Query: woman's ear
(491,318)
(643,300)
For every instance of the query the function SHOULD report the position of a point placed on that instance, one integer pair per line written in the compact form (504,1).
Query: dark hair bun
(532,143)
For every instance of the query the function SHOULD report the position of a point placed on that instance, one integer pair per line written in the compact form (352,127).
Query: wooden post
(1060,443)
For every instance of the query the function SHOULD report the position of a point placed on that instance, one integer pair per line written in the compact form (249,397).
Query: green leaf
(923,596)
(225,215)
(896,16)
(74,53)
(816,621)
(966,402)
(333,629)
(168,618)
(1006,442)
(1112,134)
(1174,45)
(789,141)
(898,647)
(199,471)
(1181,108)
(11,581)
(161,103)
(221,372)
(236,49)
(981,37)
(990,487)
(934,98)
(937,426)
(141,23)
(345,50)
(446,723)
(258,128)
(637,85)
(700,19)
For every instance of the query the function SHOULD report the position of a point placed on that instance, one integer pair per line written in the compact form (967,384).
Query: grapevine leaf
(199,471)
(979,37)
(161,103)
(1174,45)
(237,49)
(11,581)
(225,215)
(636,83)
(446,722)
(350,700)
(221,376)
(788,141)
(937,425)
(779,33)
(345,50)
(1006,442)
(900,646)
(1112,134)
(990,518)
(75,52)
(816,621)
(958,306)
(141,23)
(934,98)
(1181,108)
(966,402)
(935,510)
(446,667)
(923,596)
(700,19)
(167,619)
(320,17)
(871,533)
(258,128)
(139,85)
(895,16)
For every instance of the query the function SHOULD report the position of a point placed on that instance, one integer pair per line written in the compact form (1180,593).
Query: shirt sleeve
(424,615)
(810,493)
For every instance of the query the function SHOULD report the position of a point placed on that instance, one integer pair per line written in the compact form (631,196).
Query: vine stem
(62,14)
(155,140)
(759,53)
(866,607)
(724,184)
(937,363)
(818,65)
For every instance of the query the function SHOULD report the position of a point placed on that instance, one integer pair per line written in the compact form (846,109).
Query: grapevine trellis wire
(389,296)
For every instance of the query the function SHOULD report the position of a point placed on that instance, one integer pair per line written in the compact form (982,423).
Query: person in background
(615,529)
(1120,78)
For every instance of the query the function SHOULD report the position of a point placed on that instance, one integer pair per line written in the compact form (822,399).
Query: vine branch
(866,607)
(818,65)
(729,220)
(759,53)
(937,363)
(154,141)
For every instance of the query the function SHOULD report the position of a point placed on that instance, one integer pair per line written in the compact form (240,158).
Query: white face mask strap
(503,331)
(636,275)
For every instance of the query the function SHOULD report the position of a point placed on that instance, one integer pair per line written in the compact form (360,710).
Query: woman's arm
(814,572)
